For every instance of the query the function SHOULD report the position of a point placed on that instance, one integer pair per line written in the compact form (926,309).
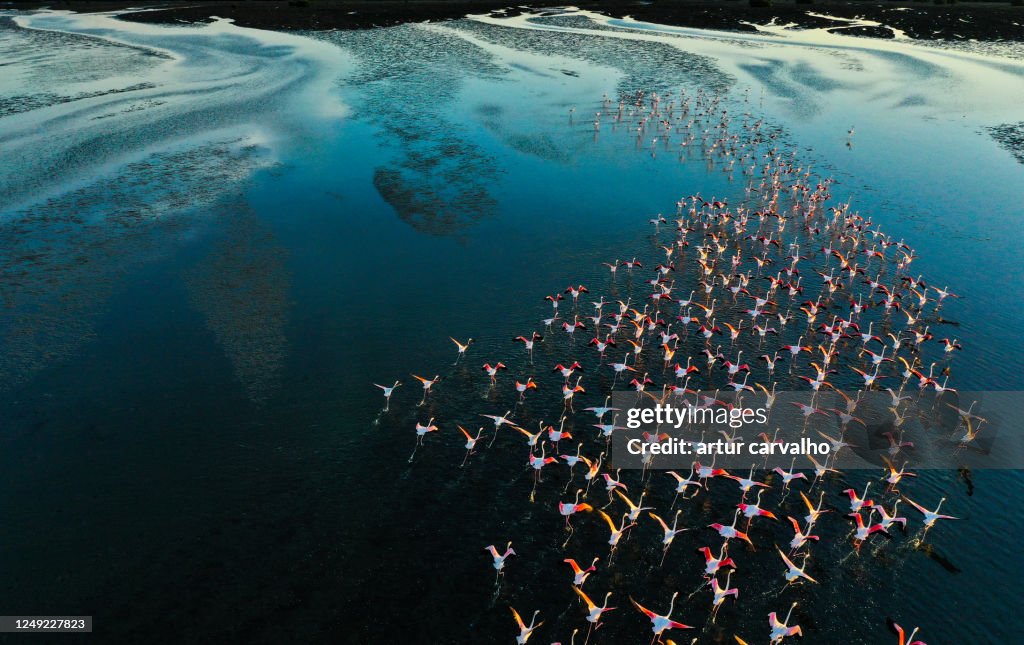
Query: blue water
(190,449)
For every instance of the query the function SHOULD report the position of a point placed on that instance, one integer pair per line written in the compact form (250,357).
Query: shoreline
(982,21)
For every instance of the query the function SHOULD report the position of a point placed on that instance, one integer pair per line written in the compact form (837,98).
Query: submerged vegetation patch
(241,287)
(63,257)
(438,179)
(1011,137)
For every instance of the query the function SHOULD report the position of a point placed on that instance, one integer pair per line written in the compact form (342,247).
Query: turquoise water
(221,268)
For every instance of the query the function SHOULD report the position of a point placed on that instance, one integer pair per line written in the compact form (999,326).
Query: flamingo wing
(789,563)
(607,519)
(916,505)
(647,612)
(519,620)
(660,521)
(526,433)
(590,603)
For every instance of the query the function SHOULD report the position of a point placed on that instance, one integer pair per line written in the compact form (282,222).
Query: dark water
(190,450)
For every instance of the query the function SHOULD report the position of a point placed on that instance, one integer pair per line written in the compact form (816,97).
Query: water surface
(215,239)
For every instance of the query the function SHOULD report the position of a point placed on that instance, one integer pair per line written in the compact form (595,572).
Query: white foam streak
(987,88)
(212,81)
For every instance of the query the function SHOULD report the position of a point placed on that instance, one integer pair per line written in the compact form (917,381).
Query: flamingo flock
(815,291)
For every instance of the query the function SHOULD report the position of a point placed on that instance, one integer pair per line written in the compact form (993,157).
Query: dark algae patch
(1011,137)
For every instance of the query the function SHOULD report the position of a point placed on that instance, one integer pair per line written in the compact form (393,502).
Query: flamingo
(888,520)
(547,322)
(571,461)
(621,367)
(499,559)
(580,575)
(861,533)
(470,442)
(730,532)
(857,502)
(707,472)
(569,392)
(835,445)
(904,639)
(721,593)
(532,438)
(713,564)
(746,483)
(930,517)
(640,384)
(462,347)
(600,411)
(661,623)
(499,422)
(387,394)
(781,629)
(576,291)
(537,463)
(793,572)
(528,343)
(807,410)
(616,532)
(568,510)
(525,631)
(682,483)
(421,431)
(670,533)
(593,468)
(492,371)
(800,537)
(634,509)
(570,328)
(557,434)
(845,417)
(750,511)
(820,470)
(770,361)
(572,639)
(610,484)
(970,431)
(788,477)
(594,612)
(894,476)
(427,384)
(522,388)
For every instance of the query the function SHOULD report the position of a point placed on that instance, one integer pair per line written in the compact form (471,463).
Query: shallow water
(215,239)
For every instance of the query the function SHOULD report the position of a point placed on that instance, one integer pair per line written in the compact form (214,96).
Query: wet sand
(987,21)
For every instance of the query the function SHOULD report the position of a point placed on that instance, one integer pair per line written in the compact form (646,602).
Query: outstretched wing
(590,603)
(796,525)
(650,614)
(807,502)
(519,620)
(789,563)
(916,505)
(660,521)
